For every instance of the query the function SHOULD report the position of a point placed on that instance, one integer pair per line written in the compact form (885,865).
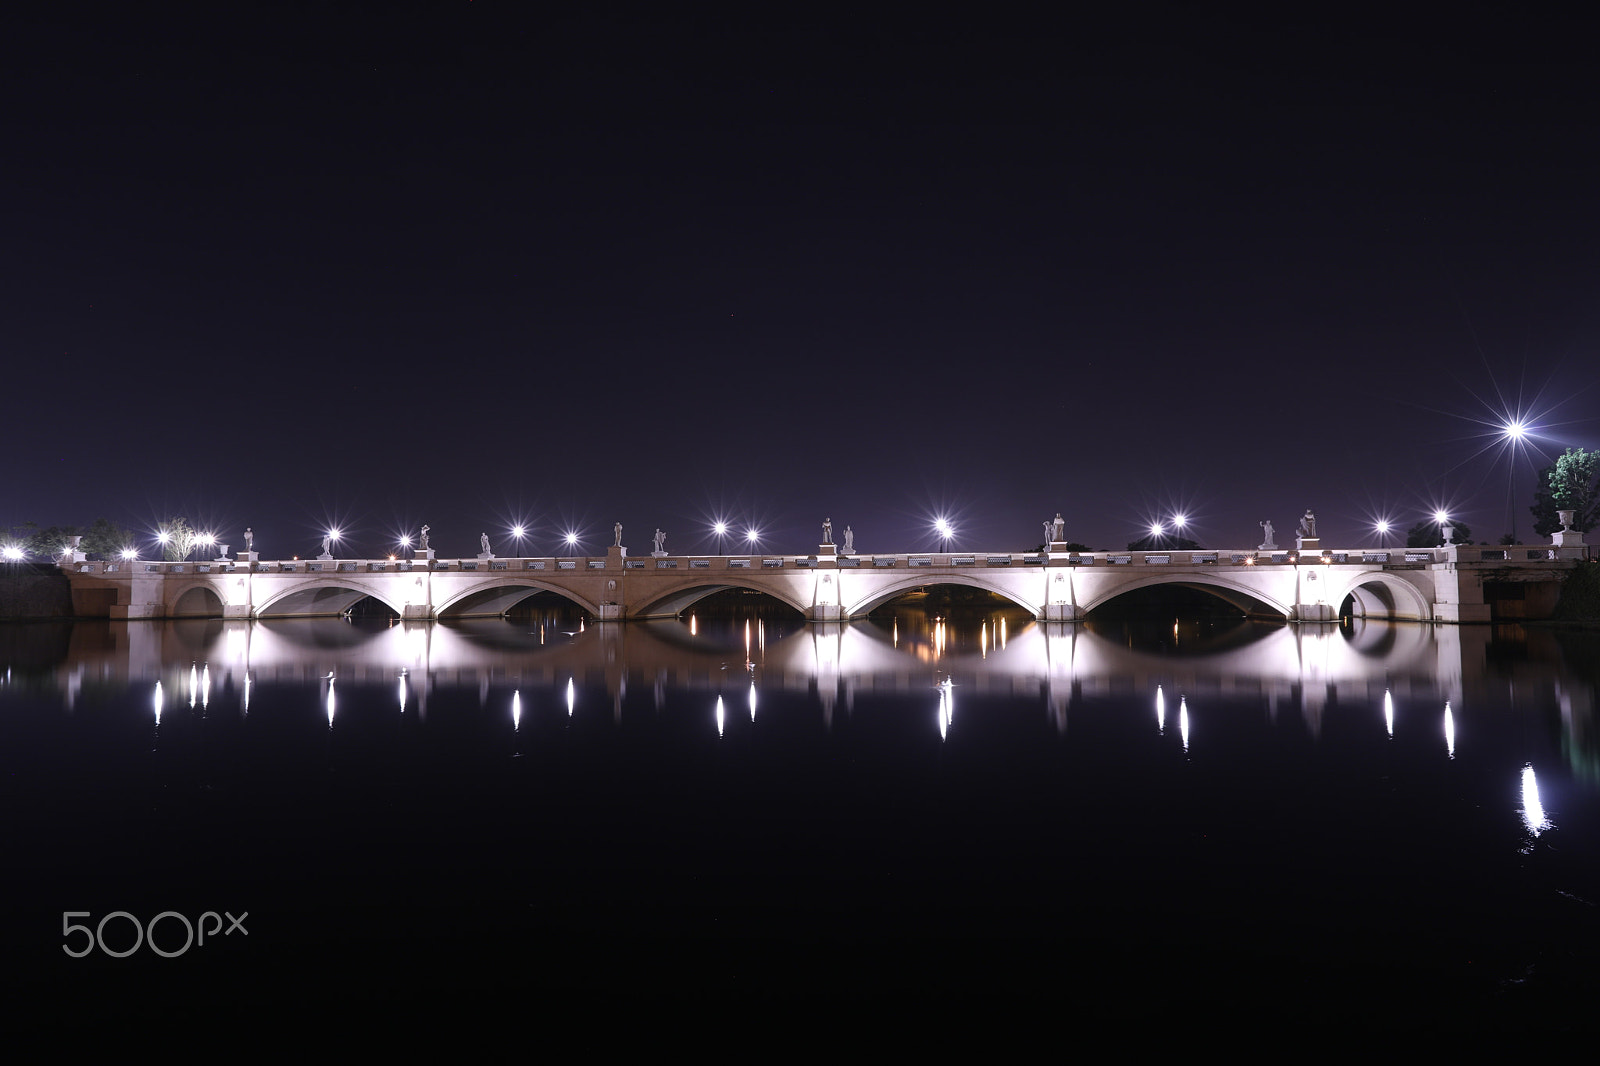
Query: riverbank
(31,592)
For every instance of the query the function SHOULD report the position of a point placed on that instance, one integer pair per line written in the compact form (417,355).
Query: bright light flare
(1532,810)
(12,553)
(1179,521)
(1441,517)
(942,527)
(129,553)
(519,532)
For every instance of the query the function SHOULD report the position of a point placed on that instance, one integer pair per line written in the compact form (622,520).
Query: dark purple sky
(465,263)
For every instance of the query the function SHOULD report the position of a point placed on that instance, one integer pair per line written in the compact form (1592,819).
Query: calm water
(1390,826)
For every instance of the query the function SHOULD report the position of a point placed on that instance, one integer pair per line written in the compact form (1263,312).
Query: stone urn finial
(1566,519)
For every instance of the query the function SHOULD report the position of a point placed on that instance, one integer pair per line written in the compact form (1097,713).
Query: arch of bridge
(1210,582)
(679,595)
(881,594)
(332,584)
(533,585)
(1401,594)
(177,590)
(199,598)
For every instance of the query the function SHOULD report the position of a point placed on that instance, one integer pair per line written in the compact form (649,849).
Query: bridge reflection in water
(1296,668)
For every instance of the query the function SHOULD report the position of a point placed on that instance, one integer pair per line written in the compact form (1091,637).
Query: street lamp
(946,532)
(571,540)
(1514,431)
(518,531)
(1381,527)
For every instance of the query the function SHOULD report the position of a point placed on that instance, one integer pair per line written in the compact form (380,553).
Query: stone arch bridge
(1449,584)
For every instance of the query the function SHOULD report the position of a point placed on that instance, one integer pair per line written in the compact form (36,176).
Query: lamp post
(1513,433)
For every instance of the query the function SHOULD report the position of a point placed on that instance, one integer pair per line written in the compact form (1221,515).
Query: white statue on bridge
(617,529)
(422,545)
(1058,528)
(483,542)
(249,539)
(1267,543)
(849,541)
(661,543)
(1308,525)
(827,530)
(327,546)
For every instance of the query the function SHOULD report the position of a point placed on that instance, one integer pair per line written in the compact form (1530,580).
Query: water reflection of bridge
(1304,667)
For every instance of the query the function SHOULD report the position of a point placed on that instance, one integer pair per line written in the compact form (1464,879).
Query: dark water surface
(552,822)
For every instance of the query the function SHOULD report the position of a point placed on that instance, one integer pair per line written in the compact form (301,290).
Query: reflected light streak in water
(983,641)
(516,710)
(1161,711)
(330,701)
(572,697)
(1449,731)
(402,692)
(1388,713)
(1183,721)
(247,684)
(752,699)
(157,699)
(944,712)
(694,625)
(205,686)
(1532,810)
(721,716)
(194,684)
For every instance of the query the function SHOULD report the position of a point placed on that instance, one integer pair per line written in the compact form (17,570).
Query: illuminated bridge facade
(1449,584)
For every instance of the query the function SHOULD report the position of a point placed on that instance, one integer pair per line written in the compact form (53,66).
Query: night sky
(469,263)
